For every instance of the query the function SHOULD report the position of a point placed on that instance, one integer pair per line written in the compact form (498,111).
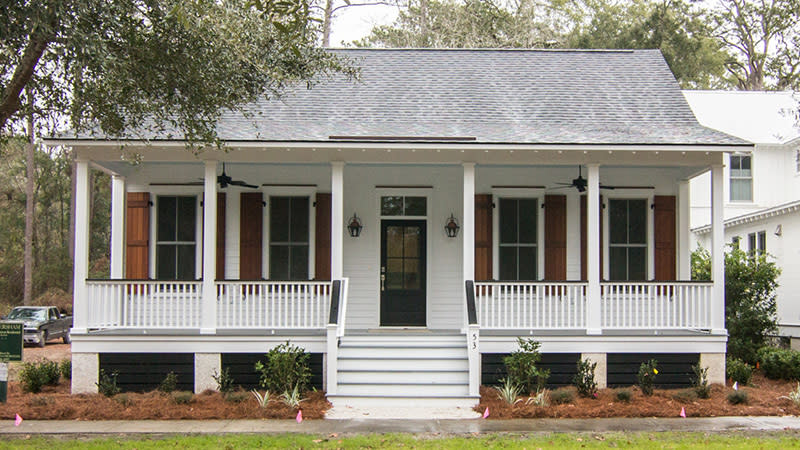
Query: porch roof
(611,97)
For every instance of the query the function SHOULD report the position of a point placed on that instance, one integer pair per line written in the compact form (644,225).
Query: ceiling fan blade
(607,187)
(243,183)
(566,186)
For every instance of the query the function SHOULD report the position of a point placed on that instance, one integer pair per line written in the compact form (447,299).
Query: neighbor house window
(758,243)
(518,239)
(741,178)
(288,238)
(176,237)
(735,242)
(628,239)
(797,160)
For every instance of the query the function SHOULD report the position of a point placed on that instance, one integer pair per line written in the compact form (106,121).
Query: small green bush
(107,384)
(584,379)
(647,376)
(624,395)
(169,383)
(508,392)
(286,368)
(224,380)
(700,381)
(182,397)
(738,398)
(521,366)
(738,370)
(778,363)
(66,369)
(562,396)
(235,397)
(52,372)
(36,375)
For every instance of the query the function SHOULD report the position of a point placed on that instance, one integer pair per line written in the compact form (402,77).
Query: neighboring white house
(762,188)
(406,228)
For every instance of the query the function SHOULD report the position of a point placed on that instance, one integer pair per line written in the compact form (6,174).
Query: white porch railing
(273,304)
(531,305)
(656,305)
(143,304)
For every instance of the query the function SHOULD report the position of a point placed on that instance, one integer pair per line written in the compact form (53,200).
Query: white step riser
(409,390)
(342,401)
(404,377)
(402,364)
(388,353)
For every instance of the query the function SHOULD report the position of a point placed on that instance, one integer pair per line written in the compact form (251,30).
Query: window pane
(416,206)
(508,221)
(618,218)
(299,223)
(187,218)
(185,264)
(279,219)
(736,163)
(618,263)
(411,242)
(278,262)
(299,262)
(165,262)
(637,263)
(394,241)
(745,164)
(166,218)
(508,263)
(394,273)
(527,264)
(637,221)
(762,242)
(741,189)
(527,221)
(411,275)
(392,206)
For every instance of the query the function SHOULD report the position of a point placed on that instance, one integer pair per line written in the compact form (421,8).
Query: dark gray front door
(403,283)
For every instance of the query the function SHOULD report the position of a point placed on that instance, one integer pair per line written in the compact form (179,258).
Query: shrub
(169,383)
(700,381)
(235,397)
(738,370)
(521,366)
(66,369)
(34,376)
(263,400)
(738,397)
(624,395)
(584,379)
(794,395)
(291,398)
(107,384)
(508,392)
(286,368)
(182,397)
(562,396)
(224,380)
(540,399)
(779,363)
(647,376)
(750,307)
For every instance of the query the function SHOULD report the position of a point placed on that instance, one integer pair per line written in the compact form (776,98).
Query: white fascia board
(767,213)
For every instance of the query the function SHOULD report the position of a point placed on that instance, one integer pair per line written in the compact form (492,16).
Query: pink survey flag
(299,417)
(486,413)
(736,386)
(683,412)
(18,420)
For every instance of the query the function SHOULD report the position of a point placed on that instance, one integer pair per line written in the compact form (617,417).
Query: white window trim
(517,193)
(155,192)
(727,174)
(289,191)
(630,194)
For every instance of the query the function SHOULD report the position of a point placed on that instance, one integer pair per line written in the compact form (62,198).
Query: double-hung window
(757,242)
(176,250)
(628,239)
(288,238)
(741,178)
(518,239)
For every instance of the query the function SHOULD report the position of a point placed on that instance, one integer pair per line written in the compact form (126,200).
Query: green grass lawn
(734,440)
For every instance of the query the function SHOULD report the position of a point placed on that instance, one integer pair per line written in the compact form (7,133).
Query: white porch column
(593,306)
(684,232)
(81,262)
(337,220)
(717,250)
(208,309)
(117,227)
(468,223)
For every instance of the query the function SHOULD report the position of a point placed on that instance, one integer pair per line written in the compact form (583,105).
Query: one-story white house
(405,229)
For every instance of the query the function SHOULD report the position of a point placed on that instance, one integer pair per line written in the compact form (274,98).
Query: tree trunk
(30,163)
(326,24)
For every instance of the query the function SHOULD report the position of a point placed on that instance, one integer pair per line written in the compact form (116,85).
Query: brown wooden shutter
(584,227)
(555,237)
(220,235)
(665,241)
(322,246)
(483,237)
(137,236)
(251,221)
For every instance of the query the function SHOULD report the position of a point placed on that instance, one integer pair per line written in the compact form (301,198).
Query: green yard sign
(10,342)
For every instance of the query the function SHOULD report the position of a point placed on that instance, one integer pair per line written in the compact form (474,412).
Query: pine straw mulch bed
(764,400)
(56,403)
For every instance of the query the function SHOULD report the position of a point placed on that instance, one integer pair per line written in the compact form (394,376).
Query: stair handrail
(472,313)
(345,291)
(473,341)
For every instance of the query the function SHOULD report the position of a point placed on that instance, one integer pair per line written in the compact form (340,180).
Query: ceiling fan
(580,183)
(224,180)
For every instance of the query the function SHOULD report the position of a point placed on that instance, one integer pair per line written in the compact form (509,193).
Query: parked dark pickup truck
(41,323)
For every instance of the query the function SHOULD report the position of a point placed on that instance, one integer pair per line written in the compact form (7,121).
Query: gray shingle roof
(495,96)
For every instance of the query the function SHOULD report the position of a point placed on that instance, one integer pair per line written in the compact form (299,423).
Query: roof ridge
(495,49)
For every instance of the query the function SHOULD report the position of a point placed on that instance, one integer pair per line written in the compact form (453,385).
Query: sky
(354,23)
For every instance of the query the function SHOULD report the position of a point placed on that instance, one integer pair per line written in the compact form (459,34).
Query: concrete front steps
(403,371)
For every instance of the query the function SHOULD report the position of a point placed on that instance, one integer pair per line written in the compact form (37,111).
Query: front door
(403,273)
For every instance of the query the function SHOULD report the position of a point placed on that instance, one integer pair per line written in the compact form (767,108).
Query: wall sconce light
(451,226)
(354,226)
(779,230)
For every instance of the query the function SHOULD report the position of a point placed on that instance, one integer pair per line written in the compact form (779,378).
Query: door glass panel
(279,219)
(165,262)
(618,263)
(527,263)
(166,218)
(637,218)
(637,263)
(618,218)
(394,273)
(186,218)
(411,242)
(416,206)
(394,242)
(279,262)
(508,221)
(527,221)
(185,263)
(411,274)
(392,206)
(299,215)
(508,263)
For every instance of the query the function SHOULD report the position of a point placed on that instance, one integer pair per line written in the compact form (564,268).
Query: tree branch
(9,103)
